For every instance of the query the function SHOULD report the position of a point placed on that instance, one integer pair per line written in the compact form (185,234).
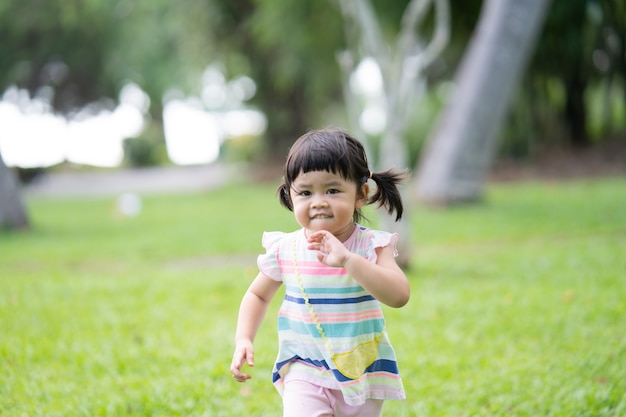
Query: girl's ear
(361,197)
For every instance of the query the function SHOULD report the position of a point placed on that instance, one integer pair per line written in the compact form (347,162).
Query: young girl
(334,357)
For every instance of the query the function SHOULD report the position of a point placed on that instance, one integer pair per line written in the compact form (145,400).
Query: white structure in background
(192,135)
(97,139)
(32,136)
(195,127)
(367,83)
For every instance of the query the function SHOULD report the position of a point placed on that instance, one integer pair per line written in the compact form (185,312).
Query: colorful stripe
(345,311)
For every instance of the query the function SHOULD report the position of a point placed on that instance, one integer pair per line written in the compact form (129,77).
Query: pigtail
(387,194)
(283,196)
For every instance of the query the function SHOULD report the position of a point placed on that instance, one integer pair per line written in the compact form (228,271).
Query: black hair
(335,151)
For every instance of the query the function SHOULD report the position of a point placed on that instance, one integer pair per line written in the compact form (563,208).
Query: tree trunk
(394,153)
(575,112)
(12,211)
(463,143)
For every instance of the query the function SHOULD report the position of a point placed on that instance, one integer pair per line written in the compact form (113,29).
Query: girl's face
(326,201)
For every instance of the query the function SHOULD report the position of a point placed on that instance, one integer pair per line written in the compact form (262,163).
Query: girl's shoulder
(269,263)
(271,240)
(371,239)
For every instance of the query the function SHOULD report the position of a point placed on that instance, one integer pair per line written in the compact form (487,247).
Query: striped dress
(347,313)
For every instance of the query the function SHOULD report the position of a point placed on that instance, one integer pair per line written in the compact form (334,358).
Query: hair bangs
(316,155)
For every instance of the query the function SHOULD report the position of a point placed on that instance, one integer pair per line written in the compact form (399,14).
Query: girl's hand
(244,353)
(330,250)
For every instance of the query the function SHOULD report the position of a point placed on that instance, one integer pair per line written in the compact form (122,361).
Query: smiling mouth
(321,217)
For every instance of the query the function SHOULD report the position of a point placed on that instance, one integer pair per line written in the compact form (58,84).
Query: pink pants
(301,398)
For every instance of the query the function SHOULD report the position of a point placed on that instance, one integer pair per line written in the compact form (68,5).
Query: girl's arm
(251,313)
(384,279)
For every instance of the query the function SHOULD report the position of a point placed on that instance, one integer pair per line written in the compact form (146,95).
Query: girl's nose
(319,201)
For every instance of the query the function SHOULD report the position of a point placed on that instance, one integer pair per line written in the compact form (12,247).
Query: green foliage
(162,45)
(606,106)
(517,306)
(290,49)
(52,43)
(581,48)
(423,120)
(146,150)
(246,148)
(87,50)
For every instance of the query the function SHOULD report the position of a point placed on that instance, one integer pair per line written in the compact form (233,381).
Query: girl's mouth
(320,217)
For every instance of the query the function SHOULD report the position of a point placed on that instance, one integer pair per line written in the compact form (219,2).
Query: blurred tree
(80,52)
(77,52)
(583,45)
(563,53)
(461,147)
(56,44)
(288,48)
(402,67)
(86,51)
(163,46)
(12,212)
(572,94)
(610,54)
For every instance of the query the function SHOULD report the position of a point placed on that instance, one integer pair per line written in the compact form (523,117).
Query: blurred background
(98,84)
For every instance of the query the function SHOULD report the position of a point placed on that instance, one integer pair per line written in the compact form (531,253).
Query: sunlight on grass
(517,306)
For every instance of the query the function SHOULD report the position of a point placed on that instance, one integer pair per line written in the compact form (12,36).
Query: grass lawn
(518,306)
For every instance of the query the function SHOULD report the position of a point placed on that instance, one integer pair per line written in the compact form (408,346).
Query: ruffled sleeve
(381,239)
(268,262)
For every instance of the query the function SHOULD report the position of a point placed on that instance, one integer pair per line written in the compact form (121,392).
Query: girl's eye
(332,191)
(304,193)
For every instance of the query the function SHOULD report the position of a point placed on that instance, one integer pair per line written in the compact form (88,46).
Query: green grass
(518,306)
